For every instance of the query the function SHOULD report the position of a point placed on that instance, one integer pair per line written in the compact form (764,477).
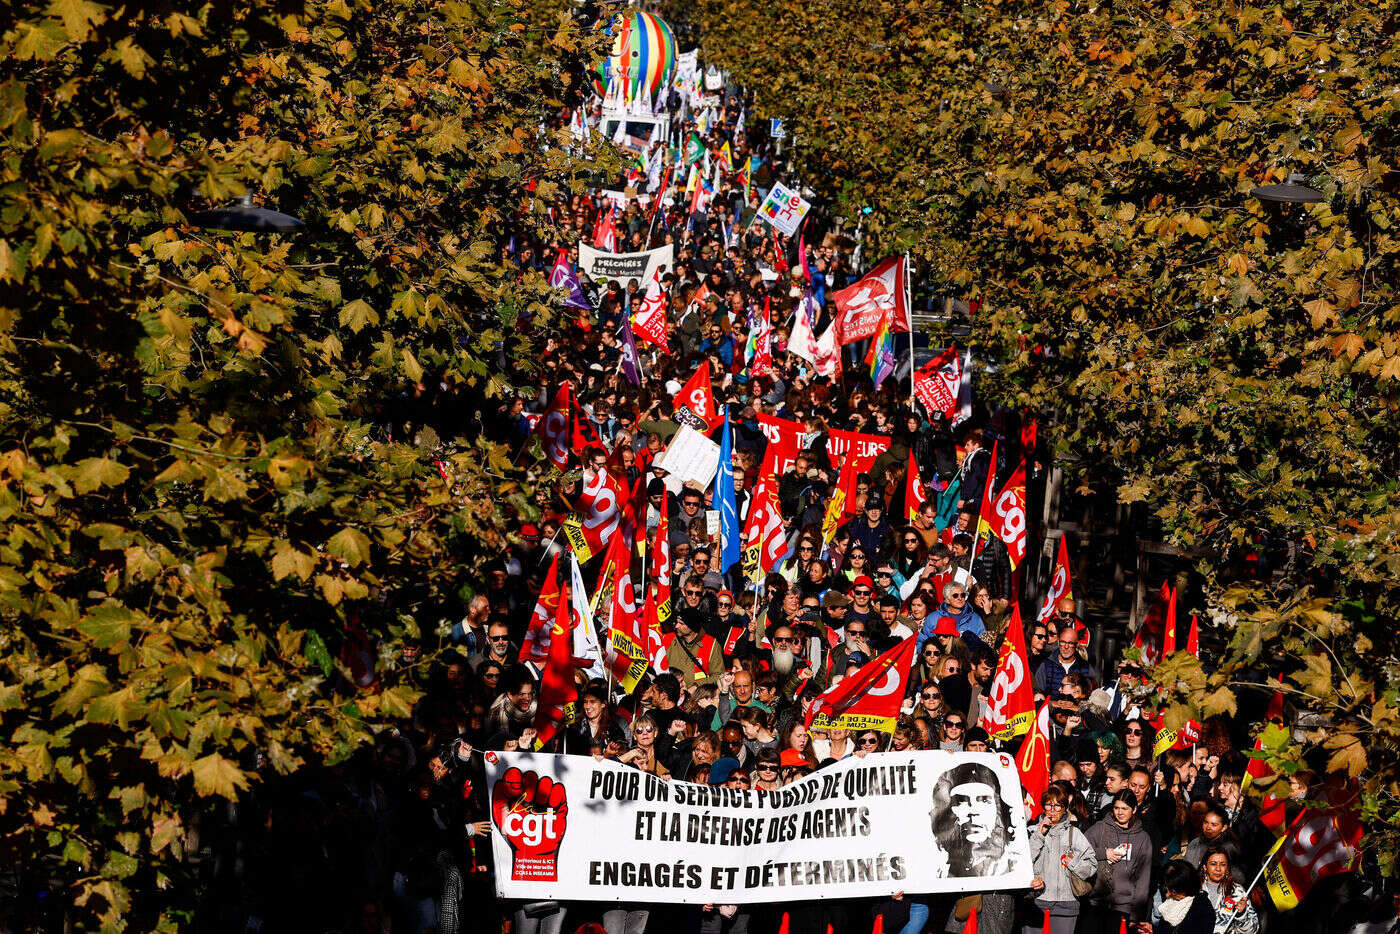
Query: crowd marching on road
(849,514)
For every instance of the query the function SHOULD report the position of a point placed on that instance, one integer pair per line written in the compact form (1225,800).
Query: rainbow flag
(880,357)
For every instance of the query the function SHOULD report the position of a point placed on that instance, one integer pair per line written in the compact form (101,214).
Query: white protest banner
(601,266)
(571,828)
(784,208)
(690,457)
(687,63)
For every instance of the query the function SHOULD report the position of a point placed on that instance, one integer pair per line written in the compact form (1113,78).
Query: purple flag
(631,366)
(562,277)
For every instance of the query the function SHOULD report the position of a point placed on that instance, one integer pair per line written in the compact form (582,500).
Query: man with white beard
(791,664)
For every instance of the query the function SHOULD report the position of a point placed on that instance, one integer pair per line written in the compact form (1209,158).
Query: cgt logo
(532,814)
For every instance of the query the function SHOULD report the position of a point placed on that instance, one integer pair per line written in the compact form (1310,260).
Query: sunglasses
(854,632)
(957,596)
(805,548)
(932,695)
(953,669)
(884,573)
(764,767)
(644,731)
(726,605)
(953,724)
(785,641)
(862,592)
(869,741)
(1132,732)
(498,639)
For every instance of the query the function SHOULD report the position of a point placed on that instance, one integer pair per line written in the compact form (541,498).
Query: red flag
(986,507)
(558,692)
(697,396)
(763,533)
(1169,626)
(1008,518)
(535,646)
(605,233)
(1011,702)
(1321,842)
(649,323)
(784,441)
(1033,759)
(1183,737)
(1258,770)
(599,515)
(1193,638)
(937,383)
(626,635)
(856,453)
(1028,439)
(1060,585)
(554,427)
(868,699)
(861,306)
(661,566)
(914,495)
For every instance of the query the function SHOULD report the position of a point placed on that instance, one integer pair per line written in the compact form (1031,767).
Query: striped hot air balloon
(643,57)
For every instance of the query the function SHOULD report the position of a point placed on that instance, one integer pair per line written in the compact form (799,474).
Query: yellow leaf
(350,546)
(1321,311)
(79,16)
(215,775)
(1348,753)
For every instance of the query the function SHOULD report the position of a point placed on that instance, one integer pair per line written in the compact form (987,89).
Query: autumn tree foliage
(215,527)
(1084,169)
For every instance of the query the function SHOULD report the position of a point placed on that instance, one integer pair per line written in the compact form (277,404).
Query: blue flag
(724,500)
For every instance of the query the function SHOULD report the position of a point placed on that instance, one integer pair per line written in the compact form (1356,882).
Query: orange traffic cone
(1123,926)
(783,926)
(1046,928)
(879,926)
(970,926)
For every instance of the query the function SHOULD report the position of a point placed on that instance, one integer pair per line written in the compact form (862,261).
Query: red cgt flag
(763,532)
(914,495)
(535,646)
(868,699)
(1060,585)
(1033,759)
(1008,515)
(558,693)
(698,397)
(599,516)
(1011,701)
(554,427)
(1321,842)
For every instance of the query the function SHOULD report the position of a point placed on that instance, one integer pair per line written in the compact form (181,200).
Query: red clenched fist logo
(531,813)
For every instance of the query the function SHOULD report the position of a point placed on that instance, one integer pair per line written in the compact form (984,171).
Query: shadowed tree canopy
(1084,169)
(225,500)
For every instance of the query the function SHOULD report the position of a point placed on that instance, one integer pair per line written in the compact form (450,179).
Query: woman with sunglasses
(931,703)
(868,742)
(767,773)
(953,732)
(1137,737)
(910,555)
(857,564)
(1059,848)
(926,664)
(643,755)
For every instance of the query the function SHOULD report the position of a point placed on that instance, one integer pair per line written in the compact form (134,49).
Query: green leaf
(78,16)
(108,625)
(349,545)
(288,560)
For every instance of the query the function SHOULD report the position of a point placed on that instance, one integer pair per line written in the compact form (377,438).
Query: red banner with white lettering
(784,441)
(698,397)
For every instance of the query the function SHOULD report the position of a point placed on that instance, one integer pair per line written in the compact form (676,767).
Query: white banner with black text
(573,828)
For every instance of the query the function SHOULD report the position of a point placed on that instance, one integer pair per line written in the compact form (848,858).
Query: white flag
(585,633)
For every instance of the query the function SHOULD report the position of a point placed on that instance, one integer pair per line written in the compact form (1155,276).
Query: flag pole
(1262,869)
(909,320)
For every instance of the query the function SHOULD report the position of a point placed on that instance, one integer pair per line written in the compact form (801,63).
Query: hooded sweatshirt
(1130,879)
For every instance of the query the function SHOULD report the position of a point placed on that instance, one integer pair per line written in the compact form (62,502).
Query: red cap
(863,581)
(947,626)
(529,531)
(792,759)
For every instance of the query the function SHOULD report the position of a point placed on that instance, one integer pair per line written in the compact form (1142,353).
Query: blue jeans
(918,917)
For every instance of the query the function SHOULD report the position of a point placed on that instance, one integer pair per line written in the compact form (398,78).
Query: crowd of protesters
(398,838)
